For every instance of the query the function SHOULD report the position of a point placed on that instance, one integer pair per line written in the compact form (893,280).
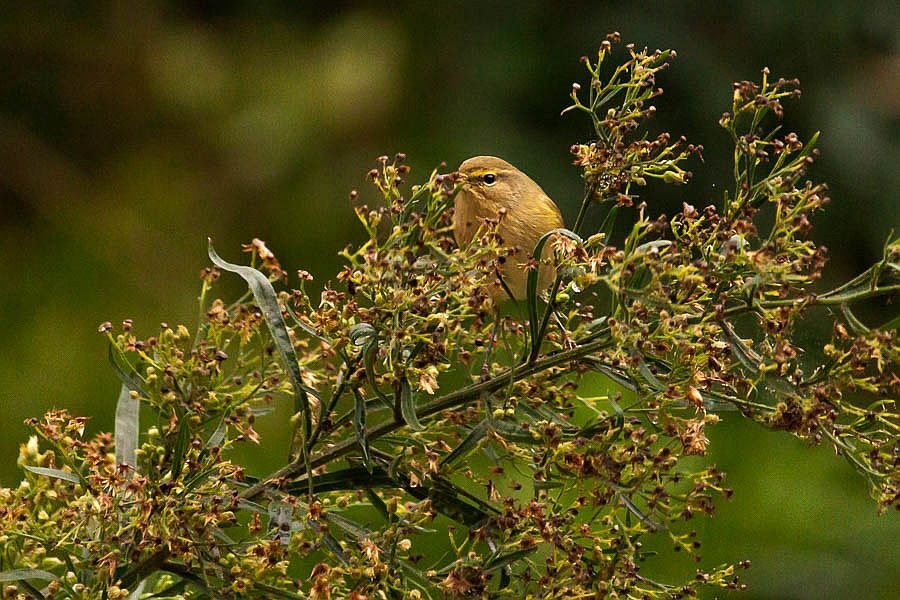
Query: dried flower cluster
(447,447)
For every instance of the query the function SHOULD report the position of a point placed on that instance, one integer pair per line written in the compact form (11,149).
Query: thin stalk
(545,321)
(201,301)
(335,397)
(823,300)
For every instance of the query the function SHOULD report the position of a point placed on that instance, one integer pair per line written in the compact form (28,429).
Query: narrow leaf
(606,228)
(855,324)
(55,473)
(546,485)
(450,505)
(171,591)
(181,443)
(750,359)
(24,574)
(532,283)
(379,505)
(138,591)
(408,406)
(265,297)
(305,327)
(516,434)
(891,325)
(632,507)
(351,528)
(218,436)
(507,559)
(331,542)
(617,376)
(222,536)
(362,334)
(369,365)
(448,499)
(648,247)
(127,427)
(253,507)
(128,376)
(620,414)
(651,379)
(359,427)
(351,478)
(469,443)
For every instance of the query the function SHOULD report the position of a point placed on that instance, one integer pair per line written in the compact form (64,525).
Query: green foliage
(419,403)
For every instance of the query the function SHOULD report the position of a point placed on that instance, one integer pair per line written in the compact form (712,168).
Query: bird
(492,186)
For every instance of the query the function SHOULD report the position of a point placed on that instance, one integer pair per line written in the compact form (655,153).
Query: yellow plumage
(492,184)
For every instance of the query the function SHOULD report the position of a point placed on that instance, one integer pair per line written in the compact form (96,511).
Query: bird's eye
(490,178)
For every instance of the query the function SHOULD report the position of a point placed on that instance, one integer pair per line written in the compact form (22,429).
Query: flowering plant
(443,446)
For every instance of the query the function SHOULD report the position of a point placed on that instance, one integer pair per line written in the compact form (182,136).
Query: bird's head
(492,179)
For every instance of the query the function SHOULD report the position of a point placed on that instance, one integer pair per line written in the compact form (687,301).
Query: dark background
(130,131)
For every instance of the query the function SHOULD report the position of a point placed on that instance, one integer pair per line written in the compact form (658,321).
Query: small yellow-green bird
(491,184)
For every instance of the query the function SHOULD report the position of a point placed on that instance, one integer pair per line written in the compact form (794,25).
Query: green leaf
(891,325)
(542,413)
(138,591)
(329,541)
(507,559)
(379,505)
(532,284)
(408,406)
(170,591)
(632,507)
(362,334)
(365,336)
(609,221)
(351,478)
(547,485)
(651,379)
(753,361)
(181,444)
(128,376)
(218,436)
(55,473)
(469,443)
(447,500)
(419,192)
(359,427)
(514,433)
(639,280)
(128,412)
(614,374)
(222,536)
(747,357)
(855,324)
(446,497)
(620,414)
(351,528)
(306,328)
(253,506)
(265,297)
(24,574)
(650,246)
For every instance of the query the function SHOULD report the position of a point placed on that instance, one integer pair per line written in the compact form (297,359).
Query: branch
(451,400)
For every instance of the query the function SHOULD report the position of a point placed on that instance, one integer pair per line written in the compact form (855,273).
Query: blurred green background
(131,130)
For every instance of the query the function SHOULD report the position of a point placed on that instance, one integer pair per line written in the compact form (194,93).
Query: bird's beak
(462,178)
